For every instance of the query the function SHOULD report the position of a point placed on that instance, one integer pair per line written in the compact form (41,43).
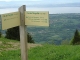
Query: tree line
(13,33)
(76,38)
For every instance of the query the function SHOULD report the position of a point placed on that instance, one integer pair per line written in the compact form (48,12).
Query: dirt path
(15,45)
(30,45)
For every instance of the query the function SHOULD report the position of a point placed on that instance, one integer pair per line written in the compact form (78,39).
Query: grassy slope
(51,52)
(45,52)
(8,49)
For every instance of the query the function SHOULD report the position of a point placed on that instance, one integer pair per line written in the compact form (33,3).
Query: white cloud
(9,0)
(56,10)
(6,0)
(34,0)
(3,11)
(19,0)
(51,10)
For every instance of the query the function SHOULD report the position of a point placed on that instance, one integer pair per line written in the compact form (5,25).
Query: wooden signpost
(21,19)
(10,20)
(23,33)
(37,18)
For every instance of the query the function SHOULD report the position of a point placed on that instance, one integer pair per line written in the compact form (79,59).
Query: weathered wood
(23,34)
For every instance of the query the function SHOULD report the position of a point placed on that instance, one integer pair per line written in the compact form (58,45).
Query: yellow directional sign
(37,18)
(10,20)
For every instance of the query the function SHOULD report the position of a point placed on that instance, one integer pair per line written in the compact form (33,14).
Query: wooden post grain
(23,34)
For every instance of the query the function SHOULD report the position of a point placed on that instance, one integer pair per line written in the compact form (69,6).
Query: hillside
(61,29)
(7,44)
(10,50)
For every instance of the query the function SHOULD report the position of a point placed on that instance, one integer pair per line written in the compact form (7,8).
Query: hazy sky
(53,6)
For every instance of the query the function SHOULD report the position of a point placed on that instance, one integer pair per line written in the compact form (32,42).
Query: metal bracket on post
(23,34)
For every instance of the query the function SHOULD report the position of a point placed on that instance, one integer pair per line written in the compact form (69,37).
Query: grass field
(10,50)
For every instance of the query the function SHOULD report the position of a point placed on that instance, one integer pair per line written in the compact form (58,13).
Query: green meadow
(10,50)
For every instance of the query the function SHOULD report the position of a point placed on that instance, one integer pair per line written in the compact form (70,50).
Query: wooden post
(23,34)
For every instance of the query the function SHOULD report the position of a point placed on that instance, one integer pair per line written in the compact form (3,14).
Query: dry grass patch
(8,45)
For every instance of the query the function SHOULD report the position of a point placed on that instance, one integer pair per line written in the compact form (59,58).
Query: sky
(53,6)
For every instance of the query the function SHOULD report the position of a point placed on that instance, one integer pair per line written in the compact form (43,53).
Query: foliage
(0,34)
(30,39)
(76,39)
(13,33)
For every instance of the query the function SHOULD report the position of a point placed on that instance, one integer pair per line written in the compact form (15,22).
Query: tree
(76,39)
(0,34)
(30,39)
(13,33)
